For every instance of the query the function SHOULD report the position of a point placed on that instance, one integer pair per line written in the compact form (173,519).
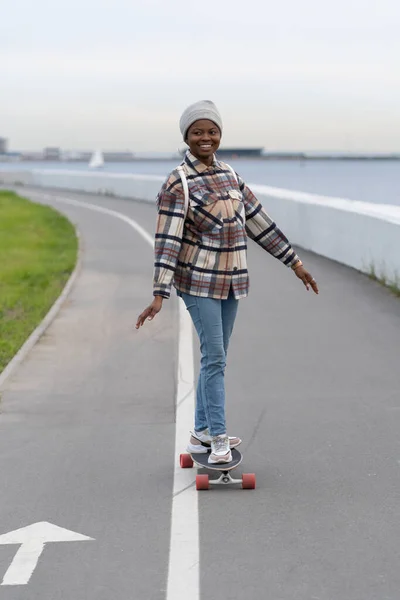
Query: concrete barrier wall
(143,187)
(358,234)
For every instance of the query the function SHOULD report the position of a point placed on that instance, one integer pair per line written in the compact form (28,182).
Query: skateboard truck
(225,478)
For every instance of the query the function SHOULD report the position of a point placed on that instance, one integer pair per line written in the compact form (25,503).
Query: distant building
(284,155)
(235,152)
(52,153)
(3,145)
(29,156)
(239,152)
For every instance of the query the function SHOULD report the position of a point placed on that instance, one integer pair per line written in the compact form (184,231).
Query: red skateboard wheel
(186,461)
(202,482)
(248,481)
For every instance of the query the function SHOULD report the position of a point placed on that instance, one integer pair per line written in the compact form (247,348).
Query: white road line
(183,570)
(183,567)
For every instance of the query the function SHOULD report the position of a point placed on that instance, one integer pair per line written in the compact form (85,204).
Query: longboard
(203,482)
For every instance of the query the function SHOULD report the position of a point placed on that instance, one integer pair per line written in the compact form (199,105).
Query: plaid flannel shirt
(205,254)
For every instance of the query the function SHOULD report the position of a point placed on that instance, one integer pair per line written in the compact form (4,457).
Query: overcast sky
(116,74)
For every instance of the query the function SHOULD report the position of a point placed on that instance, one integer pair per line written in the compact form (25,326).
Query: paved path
(87,435)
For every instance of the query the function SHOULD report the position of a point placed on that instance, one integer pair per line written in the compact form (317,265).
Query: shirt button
(235,268)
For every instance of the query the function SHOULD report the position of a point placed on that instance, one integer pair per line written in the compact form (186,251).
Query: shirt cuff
(161,291)
(295,259)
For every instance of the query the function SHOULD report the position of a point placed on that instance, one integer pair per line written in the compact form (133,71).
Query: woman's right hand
(150,312)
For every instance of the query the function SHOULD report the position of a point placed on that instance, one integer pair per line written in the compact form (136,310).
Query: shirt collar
(196,164)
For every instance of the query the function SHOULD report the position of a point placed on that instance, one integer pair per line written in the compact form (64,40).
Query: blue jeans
(213,320)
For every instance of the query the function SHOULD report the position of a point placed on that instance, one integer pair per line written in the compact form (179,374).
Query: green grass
(393,286)
(38,252)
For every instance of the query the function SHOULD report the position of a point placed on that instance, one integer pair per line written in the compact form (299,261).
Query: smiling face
(203,139)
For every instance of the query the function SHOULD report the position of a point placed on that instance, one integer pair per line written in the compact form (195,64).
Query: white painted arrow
(32,539)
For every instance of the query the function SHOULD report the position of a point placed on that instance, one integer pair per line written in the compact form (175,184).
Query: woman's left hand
(307,279)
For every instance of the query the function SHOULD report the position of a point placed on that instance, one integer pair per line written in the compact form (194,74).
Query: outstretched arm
(168,236)
(262,229)
(167,245)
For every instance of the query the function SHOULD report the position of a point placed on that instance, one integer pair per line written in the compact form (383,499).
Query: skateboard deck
(201,460)
(203,482)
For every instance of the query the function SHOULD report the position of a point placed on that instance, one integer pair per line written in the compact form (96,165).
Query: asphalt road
(313,387)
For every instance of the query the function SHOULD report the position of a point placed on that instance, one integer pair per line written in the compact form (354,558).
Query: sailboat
(97,160)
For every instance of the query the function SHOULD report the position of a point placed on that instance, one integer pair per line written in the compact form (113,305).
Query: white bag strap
(232,170)
(185,188)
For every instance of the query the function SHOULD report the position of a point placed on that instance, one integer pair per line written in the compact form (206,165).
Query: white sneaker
(200,442)
(220,450)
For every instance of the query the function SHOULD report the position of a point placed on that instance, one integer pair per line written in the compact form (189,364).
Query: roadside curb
(48,319)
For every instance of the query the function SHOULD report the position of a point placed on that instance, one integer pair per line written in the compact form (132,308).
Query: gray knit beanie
(204,109)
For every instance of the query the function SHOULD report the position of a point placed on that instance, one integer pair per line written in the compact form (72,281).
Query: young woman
(202,251)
